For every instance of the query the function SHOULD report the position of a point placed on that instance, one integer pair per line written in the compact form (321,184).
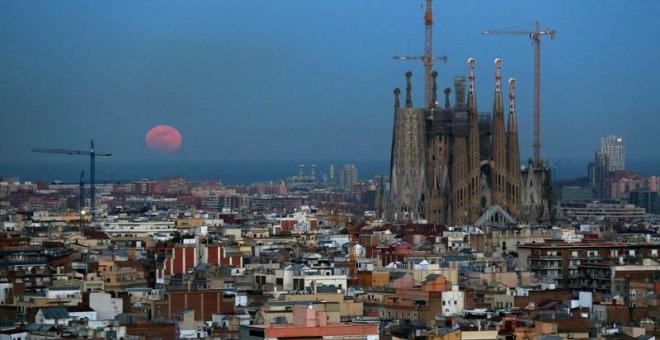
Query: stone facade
(452,165)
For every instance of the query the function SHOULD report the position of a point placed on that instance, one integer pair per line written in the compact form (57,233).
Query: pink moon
(163,138)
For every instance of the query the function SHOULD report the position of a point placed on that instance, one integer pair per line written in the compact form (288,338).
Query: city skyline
(304,169)
(242,81)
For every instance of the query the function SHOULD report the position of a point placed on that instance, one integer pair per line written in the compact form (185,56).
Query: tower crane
(92,167)
(536,40)
(428,58)
(81,208)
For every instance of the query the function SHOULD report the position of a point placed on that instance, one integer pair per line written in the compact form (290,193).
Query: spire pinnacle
(447,92)
(498,75)
(471,62)
(472,96)
(512,105)
(397,104)
(409,103)
(498,103)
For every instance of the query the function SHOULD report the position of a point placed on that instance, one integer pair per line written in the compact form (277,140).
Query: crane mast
(82,200)
(537,96)
(536,40)
(428,58)
(428,55)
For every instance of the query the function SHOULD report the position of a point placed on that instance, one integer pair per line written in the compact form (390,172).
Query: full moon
(163,138)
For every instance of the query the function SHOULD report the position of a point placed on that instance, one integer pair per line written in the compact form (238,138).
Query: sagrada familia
(455,166)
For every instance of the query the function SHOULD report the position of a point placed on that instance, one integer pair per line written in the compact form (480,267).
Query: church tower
(499,164)
(453,165)
(408,176)
(513,157)
(438,157)
(474,150)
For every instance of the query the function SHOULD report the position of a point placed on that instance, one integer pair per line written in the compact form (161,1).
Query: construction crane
(81,208)
(536,39)
(92,168)
(428,58)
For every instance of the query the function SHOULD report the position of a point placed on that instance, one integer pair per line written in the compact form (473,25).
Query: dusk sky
(311,80)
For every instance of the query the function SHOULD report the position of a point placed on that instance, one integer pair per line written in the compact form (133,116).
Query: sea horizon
(241,172)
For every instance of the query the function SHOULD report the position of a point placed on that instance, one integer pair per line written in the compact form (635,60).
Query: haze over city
(299,80)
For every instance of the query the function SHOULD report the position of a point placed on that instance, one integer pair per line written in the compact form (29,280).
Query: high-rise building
(613,148)
(313,173)
(349,176)
(591,174)
(331,174)
(610,157)
(646,199)
(601,167)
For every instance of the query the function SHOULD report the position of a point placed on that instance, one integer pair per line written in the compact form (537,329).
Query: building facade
(453,165)
(613,148)
(349,176)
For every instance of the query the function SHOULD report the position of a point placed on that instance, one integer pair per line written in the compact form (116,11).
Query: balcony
(545,266)
(549,258)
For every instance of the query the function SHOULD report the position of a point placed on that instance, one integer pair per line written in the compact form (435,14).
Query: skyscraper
(349,176)
(613,147)
(331,174)
(601,167)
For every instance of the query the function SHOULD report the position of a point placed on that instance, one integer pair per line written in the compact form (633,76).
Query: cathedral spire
(474,150)
(513,156)
(512,106)
(397,104)
(472,100)
(447,92)
(409,103)
(434,101)
(499,141)
(459,90)
(498,105)
(498,75)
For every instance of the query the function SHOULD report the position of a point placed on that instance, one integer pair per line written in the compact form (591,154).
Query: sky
(311,80)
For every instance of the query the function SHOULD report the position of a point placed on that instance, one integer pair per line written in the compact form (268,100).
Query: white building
(106,307)
(56,292)
(53,316)
(4,290)
(613,148)
(453,301)
(14,334)
(139,229)
(311,282)
(88,314)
